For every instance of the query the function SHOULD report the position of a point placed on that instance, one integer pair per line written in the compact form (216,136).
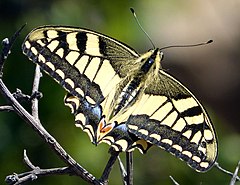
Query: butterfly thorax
(128,92)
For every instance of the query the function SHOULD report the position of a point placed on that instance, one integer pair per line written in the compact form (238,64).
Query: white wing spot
(187,134)
(162,112)
(51,66)
(180,124)
(155,136)
(170,119)
(177,147)
(187,153)
(81,64)
(92,68)
(70,82)
(60,73)
(41,43)
(52,34)
(92,45)
(34,51)
(79,91)
(167,141)
(27,44)
(72,57)
(143,131)
(123,143)
(204,164)
(90,100)
(133,127)
(60,52)
(208,135)
(72,41)
(196,158)
(80,117)
(53,45)
(196,138)
(41,58)
(184,104)
(195,119)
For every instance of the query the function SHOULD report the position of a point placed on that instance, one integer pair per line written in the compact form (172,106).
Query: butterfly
(121,97)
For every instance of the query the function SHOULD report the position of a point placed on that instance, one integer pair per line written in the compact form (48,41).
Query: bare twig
(35,172)
(7,45)
(35,87)
(235,175)
(123,171)
(174,181)
(108,168)
(129,164)
(226,171)
(7,108)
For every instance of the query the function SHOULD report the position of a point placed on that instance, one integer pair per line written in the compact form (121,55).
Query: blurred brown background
(211,72)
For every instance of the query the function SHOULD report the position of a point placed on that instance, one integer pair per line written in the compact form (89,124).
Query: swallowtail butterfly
(121,97)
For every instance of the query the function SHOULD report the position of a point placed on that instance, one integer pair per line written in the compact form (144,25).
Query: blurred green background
(211,72)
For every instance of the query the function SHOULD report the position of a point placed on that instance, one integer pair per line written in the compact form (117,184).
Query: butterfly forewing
(107,79)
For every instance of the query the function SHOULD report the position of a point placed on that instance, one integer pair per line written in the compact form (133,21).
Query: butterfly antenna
(188,45)
(135,16)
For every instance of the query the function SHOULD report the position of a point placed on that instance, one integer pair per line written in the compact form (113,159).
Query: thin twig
(35,87)
(7,45)
(129,164)
(123,171)
(7,108)
(35,172)
(226,171)
(174,181)
(108,168)
(235,174)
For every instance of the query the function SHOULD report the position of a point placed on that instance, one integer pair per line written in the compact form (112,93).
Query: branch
(174,181)
(7,108)
(233,175)
(123,171)
(35,172)
(129,163)
(108,168)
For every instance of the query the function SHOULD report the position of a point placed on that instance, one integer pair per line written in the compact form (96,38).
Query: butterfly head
(153,56)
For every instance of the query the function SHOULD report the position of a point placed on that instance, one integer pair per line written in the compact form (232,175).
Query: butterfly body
(123,98)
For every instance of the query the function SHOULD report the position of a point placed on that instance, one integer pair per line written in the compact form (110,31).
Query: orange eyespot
(106,128)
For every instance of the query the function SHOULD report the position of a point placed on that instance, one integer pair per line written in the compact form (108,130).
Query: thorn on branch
(6,50)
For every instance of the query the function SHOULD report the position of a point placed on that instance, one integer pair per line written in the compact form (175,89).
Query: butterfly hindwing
(173,119)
